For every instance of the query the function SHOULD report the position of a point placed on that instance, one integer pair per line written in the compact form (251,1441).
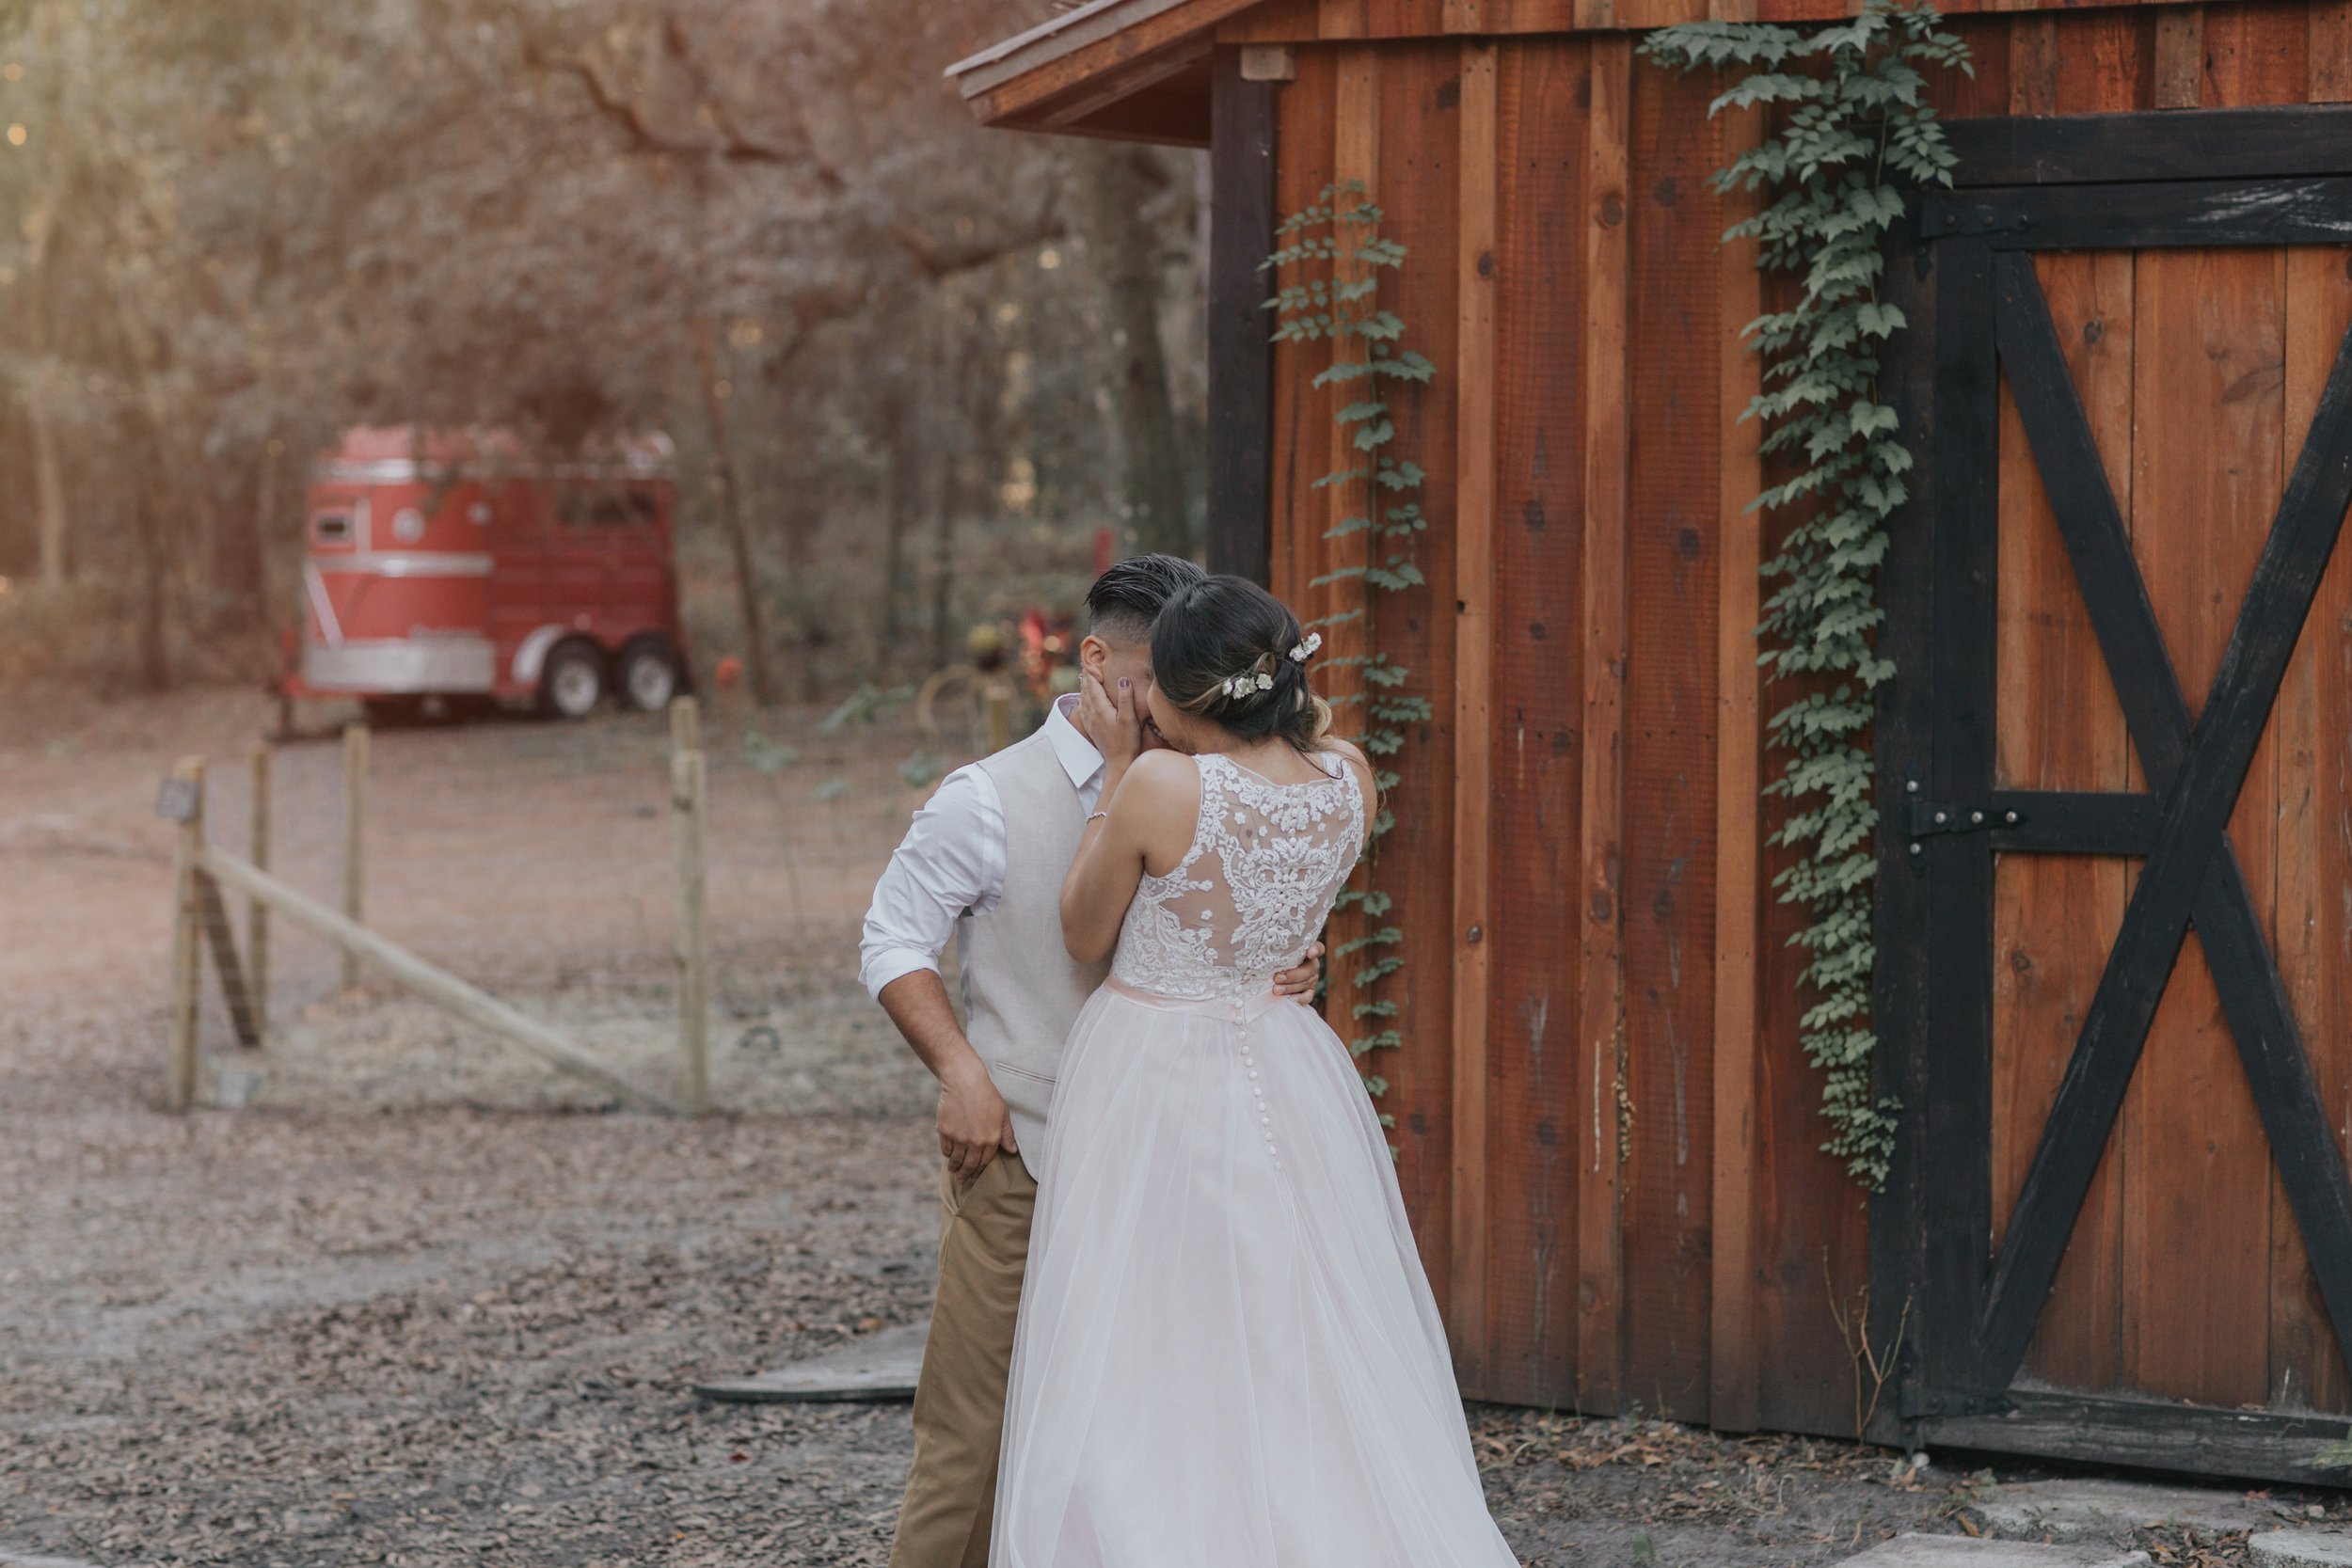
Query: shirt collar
(1079,758)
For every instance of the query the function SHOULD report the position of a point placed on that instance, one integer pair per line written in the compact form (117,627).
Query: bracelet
(1098,815)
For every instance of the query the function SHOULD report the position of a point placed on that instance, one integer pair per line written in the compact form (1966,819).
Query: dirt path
(424,1303)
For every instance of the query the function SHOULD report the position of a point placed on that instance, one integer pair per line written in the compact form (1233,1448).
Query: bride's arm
(1360,768)
(1139,789)
(1158,788)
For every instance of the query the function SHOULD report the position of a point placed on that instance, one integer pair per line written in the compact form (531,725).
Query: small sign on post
(176,801)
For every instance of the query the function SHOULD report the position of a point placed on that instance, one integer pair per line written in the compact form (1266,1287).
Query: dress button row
(1257,1090)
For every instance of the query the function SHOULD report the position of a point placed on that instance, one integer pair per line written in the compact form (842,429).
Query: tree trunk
(898,495)
(1110,193)
(155,671)
(799,480)
(943,567)
(48,493)
(808,594)
(266,506)
(237,552)
(731,509)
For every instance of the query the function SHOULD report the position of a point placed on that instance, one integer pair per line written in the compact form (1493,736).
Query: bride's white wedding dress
(1228,1354)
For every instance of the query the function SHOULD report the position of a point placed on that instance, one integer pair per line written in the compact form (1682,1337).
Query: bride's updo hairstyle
(1228,651)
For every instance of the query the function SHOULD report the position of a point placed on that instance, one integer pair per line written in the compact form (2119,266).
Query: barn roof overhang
(1136,70)
(1139,70)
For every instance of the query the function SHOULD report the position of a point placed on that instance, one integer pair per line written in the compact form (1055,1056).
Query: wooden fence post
(257,912)
(997,703)
(690,801)
(354,836)
(686,725)
(436,984)
(187,856)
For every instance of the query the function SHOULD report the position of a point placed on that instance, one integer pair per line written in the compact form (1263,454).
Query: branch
(681,50)
(936,259)
(732,145)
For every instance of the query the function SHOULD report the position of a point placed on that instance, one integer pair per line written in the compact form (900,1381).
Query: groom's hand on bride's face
(1299,984)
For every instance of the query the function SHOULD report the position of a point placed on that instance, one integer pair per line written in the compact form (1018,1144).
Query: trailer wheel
(649,674)
(573,684)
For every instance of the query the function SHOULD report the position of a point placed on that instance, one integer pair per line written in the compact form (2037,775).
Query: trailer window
(331,527)
(601,507)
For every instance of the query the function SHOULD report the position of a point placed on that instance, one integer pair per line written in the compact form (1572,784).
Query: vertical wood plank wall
(1607,1133)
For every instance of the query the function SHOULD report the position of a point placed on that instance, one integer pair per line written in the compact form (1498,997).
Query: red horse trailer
(454,564)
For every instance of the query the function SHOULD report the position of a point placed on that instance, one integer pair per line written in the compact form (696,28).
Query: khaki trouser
(960,1398)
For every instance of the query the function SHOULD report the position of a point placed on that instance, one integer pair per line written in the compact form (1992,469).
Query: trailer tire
(649,674)
(572,685)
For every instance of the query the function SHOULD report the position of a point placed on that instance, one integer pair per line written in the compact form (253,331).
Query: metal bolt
(1914,848)
(1941,817)
(1975,816)
(2013,818)
(1912,787)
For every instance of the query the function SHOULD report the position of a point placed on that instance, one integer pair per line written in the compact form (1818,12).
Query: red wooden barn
(2115,979)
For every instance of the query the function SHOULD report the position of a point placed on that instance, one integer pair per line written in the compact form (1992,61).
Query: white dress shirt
(953,859)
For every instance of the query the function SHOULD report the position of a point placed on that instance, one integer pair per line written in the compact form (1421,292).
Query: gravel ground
(421,1302)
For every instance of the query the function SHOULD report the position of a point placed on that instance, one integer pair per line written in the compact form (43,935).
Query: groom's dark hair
(1125,600)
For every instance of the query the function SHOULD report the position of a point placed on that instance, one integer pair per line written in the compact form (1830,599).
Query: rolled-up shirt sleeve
(952,860)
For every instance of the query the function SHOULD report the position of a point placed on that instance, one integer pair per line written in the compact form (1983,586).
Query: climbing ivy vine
(1850,130)
(1334,254)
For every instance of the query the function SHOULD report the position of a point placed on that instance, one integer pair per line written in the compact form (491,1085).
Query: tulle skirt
(1228,1354)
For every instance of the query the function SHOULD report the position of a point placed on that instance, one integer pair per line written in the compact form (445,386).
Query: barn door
(2118,912)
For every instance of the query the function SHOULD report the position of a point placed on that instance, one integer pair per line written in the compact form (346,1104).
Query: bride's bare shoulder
(1162,778)
(1158,800)
(1350,754)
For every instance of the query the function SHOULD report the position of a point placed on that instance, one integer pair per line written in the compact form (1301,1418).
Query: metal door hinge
(1927,818)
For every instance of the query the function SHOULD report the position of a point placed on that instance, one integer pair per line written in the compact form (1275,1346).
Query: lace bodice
(1266,862)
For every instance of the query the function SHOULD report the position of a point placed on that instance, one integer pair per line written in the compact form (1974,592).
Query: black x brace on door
(1966,1311)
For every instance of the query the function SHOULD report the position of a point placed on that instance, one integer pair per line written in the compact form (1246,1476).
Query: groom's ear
(1093,651)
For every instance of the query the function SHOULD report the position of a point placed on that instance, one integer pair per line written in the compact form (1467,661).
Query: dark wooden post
(187,933)
(690,803)
(1241,351)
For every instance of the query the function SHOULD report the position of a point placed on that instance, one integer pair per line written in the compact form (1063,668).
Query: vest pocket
(998,1064)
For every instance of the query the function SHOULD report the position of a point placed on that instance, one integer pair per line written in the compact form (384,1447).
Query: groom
(984,862)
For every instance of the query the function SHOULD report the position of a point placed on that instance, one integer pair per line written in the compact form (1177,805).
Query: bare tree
(1110,193)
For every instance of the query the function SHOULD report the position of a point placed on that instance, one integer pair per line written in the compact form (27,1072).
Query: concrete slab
(2084,1510)
(2302,1548)
(877,1368)
(1966,1551)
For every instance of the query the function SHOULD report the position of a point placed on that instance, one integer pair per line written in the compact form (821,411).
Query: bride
(1227,1355)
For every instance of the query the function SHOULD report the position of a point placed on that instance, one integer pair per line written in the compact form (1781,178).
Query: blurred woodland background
(932,362)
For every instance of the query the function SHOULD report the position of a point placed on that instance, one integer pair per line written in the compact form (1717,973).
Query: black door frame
(1964,279)
(1242,122)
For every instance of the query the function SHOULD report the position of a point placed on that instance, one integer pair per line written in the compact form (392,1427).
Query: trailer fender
(531,657)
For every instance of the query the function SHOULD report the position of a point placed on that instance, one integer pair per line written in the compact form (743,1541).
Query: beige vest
(1022,990)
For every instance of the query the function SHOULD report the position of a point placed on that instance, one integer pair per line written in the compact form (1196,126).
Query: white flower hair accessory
(1245,683)
(1298,654)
